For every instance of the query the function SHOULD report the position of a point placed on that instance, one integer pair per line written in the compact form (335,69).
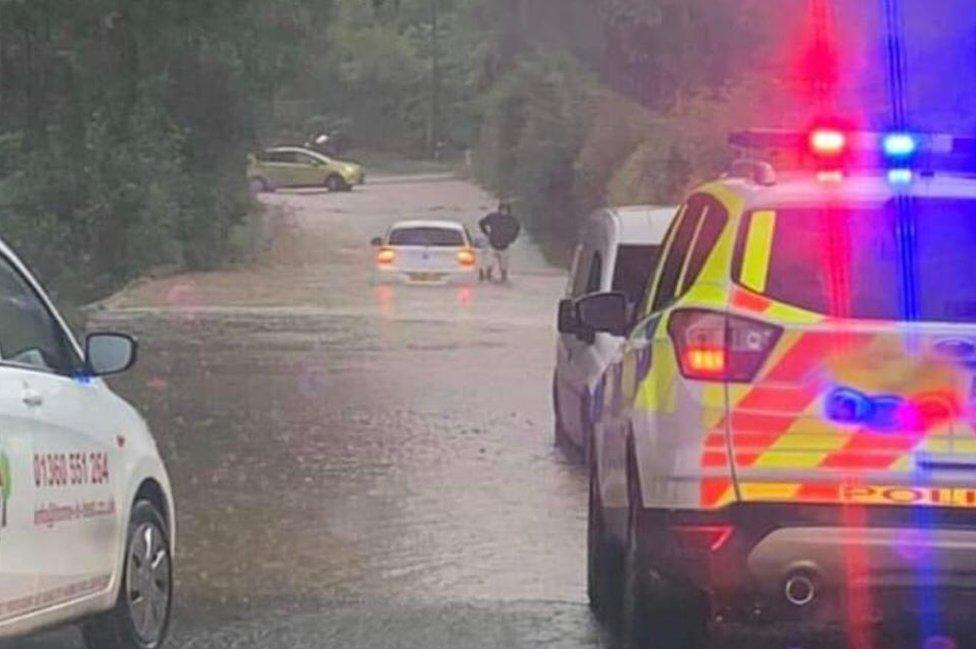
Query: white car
(426,252)
(86,515)
(618,250)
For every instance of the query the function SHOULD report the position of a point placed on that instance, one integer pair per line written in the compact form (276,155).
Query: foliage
(535,123)
(124,124)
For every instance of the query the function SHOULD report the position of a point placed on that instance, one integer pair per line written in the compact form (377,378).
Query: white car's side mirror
(108,353)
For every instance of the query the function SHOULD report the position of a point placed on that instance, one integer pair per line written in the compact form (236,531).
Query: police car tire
(602,559)
(656,613)
(115,629)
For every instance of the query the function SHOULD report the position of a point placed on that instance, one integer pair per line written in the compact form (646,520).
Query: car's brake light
(713,346)
(702,538)
(705,360)
(466,258)
(385,257)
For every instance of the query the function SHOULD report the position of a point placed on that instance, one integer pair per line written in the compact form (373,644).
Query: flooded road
(360,466)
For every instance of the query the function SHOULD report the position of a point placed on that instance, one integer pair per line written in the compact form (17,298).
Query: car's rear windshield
(426,236)
(910,259)
(633,269)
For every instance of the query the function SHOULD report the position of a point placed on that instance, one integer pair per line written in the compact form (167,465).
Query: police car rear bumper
(826,564)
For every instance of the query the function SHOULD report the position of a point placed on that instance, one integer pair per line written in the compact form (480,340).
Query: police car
(86,515)
(790,434)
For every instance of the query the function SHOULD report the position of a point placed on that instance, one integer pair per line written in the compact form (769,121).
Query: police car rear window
(867,262)
(426,237)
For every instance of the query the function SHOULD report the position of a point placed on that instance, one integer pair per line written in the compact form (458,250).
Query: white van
(618,250)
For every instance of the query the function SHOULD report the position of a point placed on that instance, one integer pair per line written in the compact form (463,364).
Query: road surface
(359,466)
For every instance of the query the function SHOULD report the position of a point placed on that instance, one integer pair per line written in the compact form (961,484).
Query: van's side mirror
(603,313)
(376,242)
(566,318)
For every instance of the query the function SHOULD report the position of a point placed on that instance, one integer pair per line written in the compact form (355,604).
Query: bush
(536,121)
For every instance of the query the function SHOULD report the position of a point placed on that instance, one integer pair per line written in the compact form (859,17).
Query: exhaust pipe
(800,590)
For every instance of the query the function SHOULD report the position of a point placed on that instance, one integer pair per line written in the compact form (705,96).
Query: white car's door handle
(32,399)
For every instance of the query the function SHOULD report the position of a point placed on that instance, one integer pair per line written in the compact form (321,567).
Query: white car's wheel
(141,615)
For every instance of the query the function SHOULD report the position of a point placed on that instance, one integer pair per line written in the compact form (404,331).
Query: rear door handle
(32,399)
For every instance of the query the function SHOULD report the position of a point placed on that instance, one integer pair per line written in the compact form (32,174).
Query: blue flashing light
(900,176)
(847,406)
(900,145)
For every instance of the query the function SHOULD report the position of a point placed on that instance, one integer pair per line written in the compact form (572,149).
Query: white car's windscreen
(430,237)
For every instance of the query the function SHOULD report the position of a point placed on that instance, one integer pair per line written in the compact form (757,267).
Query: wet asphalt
(360,466)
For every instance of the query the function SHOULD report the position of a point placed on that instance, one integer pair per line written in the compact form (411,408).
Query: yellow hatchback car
(789,434)
(279,167)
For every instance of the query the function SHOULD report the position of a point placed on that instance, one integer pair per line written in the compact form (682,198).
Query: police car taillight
(714,346)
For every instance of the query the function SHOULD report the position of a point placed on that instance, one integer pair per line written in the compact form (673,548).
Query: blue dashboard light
(900,145)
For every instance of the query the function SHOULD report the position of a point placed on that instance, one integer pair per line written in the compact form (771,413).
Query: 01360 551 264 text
(71,469)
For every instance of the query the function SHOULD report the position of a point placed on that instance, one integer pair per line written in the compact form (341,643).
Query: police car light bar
(828,142)
(836,149)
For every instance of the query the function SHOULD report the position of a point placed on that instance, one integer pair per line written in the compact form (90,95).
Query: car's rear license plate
(426,277)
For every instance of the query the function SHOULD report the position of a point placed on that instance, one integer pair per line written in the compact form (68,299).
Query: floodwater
(359,466)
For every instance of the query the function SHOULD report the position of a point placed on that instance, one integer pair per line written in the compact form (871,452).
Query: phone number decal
(70,469)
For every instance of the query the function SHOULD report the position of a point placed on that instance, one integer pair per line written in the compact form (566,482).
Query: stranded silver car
(86,515)
(425,252)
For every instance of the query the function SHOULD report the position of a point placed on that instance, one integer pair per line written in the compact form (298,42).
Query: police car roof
(643,224)
(808,189)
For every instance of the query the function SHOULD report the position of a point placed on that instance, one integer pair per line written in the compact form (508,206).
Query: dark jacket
(501,229)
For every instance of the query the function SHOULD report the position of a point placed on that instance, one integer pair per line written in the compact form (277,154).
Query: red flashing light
(828,142)
(701,538)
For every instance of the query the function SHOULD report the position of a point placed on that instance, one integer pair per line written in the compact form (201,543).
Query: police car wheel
(602,559)
(656,613)
(140,619)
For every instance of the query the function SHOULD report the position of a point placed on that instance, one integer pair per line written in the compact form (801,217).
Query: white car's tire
(141,617)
